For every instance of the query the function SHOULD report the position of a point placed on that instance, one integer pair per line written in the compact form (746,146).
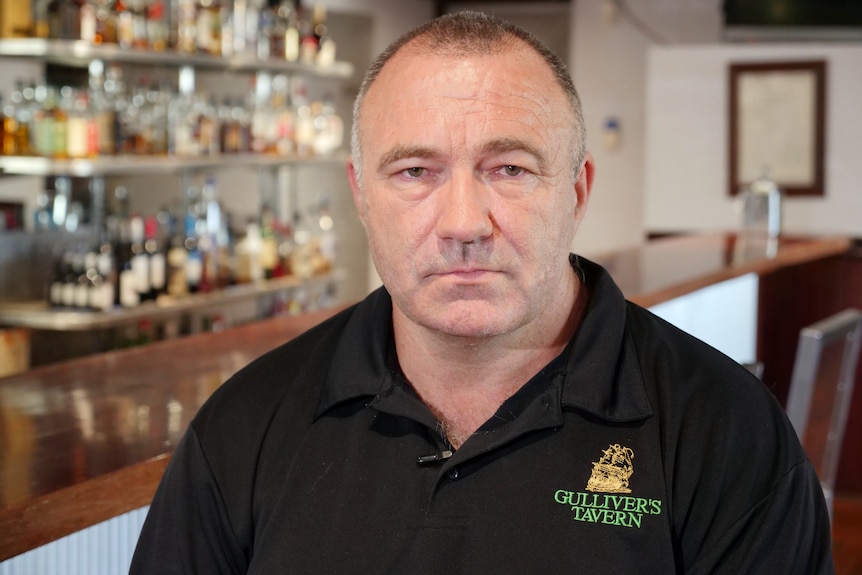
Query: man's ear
(356,190)
(584,186)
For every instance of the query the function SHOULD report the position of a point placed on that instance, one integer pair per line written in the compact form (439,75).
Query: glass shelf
(38,315)
(79,53)
(116,165)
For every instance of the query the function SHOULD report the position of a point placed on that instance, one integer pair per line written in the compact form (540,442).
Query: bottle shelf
(124,165)
(39,315)
(79,53)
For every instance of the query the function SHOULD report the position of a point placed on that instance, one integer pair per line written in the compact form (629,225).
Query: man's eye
(512,170)
(414,172)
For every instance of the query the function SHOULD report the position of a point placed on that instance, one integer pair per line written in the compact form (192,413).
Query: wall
(686,139)
(609,66)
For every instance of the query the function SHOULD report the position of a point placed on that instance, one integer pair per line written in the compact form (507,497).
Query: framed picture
(777,119)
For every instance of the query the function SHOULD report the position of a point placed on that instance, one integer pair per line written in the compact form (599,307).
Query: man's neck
(464,381)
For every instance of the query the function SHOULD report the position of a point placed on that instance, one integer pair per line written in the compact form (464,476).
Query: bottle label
(56,293)
(129,296)
(194,269)
(68,296)
(82,295)
(77,138)
(157,271)
(141,271)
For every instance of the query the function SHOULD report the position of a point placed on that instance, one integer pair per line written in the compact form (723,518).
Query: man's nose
(464,209)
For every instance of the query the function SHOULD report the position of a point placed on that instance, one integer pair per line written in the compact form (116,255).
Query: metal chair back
(844,327)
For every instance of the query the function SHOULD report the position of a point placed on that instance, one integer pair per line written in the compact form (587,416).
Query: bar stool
(846,327)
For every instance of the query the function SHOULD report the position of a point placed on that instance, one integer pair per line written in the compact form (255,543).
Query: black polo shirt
(638,450)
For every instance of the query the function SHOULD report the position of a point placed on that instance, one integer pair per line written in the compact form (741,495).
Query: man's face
(467,191)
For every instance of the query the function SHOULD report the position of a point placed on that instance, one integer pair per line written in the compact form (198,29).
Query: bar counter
(88,439)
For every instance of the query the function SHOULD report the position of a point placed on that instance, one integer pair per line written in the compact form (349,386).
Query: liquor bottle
(208,127)
(265,32)
(60,123)
(157,26)
(128,295)
(125,20)
(228,129)
(24,120)
(105,264)
(325,43)
(209,23)
(140,38)
(71,280)
(302,257)
(96,292)
(78,132)
(194,258)
(186,25)
(329,129)
(153,248)
(106,25)
(176,284)
(252,21)
(327,236)
(307,40)
(103,114)
(82,281)
(10,127)
(43,127)
(88,22)
(208,227)
(140,259)
(288,28)
(248,250)
(269,260)
(58,279)
(285,138)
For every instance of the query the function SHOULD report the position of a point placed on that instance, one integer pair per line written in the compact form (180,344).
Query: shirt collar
(602,372)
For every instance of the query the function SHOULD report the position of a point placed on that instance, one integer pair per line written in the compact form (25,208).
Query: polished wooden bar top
(88,439)
(673,266)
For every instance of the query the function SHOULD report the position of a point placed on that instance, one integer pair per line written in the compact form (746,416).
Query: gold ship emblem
(611,473)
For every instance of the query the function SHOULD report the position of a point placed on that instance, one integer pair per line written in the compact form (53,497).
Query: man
(498,407)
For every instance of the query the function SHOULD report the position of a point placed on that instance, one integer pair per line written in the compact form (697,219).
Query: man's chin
(469,319)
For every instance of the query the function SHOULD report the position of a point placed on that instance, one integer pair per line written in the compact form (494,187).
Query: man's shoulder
(696,374)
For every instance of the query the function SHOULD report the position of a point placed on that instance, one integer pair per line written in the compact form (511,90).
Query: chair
(844,327)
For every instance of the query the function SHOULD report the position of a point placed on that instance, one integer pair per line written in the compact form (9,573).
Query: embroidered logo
(611,473)
(610,476)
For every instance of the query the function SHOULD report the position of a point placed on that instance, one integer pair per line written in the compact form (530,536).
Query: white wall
(609,66)
(686,139)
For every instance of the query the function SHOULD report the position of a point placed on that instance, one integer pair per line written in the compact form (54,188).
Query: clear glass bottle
(186,26)
(106,24)
(78,127)
(125,23)
(157,25)
(88,21)
(156,254)
(61,122)
(194,257)
(177,256)
(10,127)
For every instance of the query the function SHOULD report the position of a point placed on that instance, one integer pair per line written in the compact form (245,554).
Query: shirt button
(453,473)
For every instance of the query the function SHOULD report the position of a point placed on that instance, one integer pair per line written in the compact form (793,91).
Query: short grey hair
(470,33)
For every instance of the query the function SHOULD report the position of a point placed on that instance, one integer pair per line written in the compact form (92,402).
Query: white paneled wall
(103,549)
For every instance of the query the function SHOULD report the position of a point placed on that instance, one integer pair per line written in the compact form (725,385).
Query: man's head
(470,176)
(470,33)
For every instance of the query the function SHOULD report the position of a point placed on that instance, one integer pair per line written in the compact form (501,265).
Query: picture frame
(777,124)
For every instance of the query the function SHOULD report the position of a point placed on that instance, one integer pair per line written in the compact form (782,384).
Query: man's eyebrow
(502,145)
(400,152)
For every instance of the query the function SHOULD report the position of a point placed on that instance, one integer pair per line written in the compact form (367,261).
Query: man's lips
(464,273)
